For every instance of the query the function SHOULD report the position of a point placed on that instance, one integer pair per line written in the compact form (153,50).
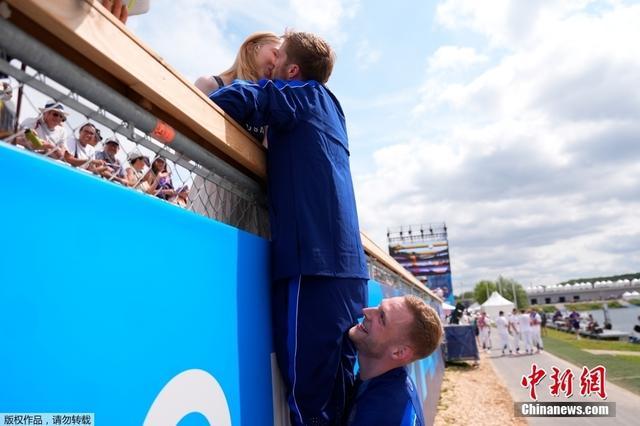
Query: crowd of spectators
(46,134)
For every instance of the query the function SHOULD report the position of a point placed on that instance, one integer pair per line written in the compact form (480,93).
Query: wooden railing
(87,35)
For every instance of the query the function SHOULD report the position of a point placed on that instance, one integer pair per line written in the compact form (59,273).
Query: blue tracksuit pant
(312,316)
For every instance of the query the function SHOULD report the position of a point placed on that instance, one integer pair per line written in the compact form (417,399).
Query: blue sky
(516,122)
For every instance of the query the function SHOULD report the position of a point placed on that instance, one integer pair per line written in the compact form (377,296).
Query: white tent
(495,304)
(473,308)
(626,295)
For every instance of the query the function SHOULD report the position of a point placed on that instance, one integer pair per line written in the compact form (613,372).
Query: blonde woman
(255,60)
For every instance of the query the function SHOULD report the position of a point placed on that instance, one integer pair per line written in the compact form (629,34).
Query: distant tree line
(505,286)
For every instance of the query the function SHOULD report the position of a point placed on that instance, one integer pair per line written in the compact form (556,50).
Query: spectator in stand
(81,151)
(159,179)
(182,197)
(49,136)
(114,170)
(7,110)
(135,173)
(397,332)
(254,61)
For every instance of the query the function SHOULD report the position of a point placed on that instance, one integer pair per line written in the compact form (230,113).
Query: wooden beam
(95,34)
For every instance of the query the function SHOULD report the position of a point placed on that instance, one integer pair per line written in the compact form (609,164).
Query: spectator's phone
(137,7)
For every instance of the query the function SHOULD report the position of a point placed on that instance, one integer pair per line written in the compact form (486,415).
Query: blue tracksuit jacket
(387,400)
(314,223)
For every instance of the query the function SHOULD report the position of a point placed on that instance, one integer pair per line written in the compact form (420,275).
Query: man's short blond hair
(312,54)
(425,332)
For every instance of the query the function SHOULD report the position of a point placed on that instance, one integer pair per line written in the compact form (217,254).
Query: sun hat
(112,139)
(135,154)
(52,105)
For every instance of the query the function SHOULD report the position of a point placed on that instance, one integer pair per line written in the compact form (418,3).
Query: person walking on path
(513,329)
(524,325)
(502,324)
(484,330)
(536,338)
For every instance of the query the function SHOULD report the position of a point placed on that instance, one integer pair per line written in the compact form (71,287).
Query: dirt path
(475,395)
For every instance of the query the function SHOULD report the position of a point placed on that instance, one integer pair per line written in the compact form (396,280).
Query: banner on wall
(424,251)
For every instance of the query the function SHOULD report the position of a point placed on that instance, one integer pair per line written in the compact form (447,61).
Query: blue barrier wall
(106,294)
(111,300)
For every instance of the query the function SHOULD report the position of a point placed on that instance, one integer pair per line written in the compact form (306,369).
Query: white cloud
(366,55)
(533,162)
(324,16)
(448,58)
(191,37)
(507,23)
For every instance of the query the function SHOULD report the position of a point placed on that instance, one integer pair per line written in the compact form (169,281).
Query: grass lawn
(585,343)
(623,370)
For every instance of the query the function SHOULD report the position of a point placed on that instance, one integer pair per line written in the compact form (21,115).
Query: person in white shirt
(465,319)
(502,324)
(49,128)
(536,339)
(513,329)
(524,324)
(81,150)
(483,328)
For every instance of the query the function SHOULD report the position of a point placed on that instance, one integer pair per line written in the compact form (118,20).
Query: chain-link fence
(119,151)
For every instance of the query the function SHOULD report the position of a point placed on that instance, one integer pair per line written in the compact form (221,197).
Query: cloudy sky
(516,122)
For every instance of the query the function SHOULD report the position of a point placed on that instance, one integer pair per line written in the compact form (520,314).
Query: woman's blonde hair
(244,67)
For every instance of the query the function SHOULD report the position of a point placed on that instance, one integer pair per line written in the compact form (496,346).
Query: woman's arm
(206,84)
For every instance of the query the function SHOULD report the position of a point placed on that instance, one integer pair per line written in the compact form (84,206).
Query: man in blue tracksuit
(319,268)
(397,332)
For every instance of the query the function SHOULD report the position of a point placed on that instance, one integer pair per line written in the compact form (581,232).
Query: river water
(622,319)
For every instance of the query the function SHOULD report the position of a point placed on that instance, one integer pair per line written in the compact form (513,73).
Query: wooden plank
(380,255)
(87,27)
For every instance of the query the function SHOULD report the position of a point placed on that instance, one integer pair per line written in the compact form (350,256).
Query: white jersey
(502,324)
(513,321)
(523,322)
(537,319)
